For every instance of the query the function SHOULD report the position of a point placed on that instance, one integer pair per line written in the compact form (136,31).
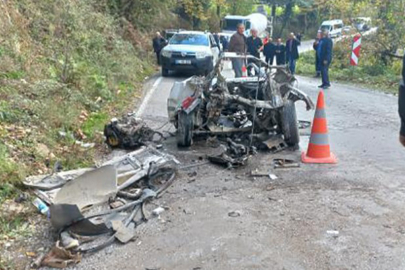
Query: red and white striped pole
(354,59)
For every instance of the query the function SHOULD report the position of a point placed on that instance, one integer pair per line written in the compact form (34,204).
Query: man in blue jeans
(238,45)
(291,52)
(324,53)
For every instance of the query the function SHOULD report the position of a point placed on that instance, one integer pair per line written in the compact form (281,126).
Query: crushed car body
(254,109)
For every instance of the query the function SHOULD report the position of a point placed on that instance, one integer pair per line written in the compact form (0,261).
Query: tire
(185,129)
(165,72)
(289,124)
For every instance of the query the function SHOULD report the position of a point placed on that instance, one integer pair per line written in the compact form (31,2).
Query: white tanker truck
(253,21)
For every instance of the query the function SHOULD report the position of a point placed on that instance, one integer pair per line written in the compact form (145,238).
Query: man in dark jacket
(291,52)
(280,52)
(325,48)
(254,44)
(237,44)
(401,104)
(158,43)
(299,36)
(317,62)
(269,51)
(224,43)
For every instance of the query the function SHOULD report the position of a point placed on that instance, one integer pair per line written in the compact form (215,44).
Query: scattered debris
(130,133)
(234,214)
(285,163)
(158,211)
(41,206)
(90,188)
(90,208)
(37,262)
(30,254)
(67,241)
(333,233)
(271,143)
(85,145)
(59,257)
(22,197)
(273,176)
(256,172)
(236,155)
(260,173)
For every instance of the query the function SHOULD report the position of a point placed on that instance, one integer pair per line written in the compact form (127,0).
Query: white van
(335,27)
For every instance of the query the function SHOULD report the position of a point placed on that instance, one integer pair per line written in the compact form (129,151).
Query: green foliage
(95,123)
(143,14)
(10,172)
(239,7)
(6,190)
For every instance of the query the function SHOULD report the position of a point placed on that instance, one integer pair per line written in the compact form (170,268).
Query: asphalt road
(344,216)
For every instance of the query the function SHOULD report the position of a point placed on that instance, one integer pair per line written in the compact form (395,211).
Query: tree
(195,11)
(239,7)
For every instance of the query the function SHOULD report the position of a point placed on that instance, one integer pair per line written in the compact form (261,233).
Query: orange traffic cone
(244,71)
(318,147)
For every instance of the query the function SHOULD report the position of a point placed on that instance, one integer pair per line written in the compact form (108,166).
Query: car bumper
(192,64)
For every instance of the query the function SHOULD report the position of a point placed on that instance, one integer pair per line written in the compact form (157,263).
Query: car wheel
(165,72)
(289,124)
(184,129)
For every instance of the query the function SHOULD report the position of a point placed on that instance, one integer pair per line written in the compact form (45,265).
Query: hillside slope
(65,68)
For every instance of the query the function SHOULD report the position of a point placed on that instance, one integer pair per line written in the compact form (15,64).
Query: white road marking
(148,97)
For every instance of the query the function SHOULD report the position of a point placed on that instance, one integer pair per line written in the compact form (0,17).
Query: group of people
(283,53)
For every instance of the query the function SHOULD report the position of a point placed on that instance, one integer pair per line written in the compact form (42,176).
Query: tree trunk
(287,16)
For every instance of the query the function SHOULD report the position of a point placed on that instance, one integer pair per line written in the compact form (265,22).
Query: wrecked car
(255,109)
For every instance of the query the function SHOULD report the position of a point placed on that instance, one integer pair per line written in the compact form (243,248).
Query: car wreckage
(254,110)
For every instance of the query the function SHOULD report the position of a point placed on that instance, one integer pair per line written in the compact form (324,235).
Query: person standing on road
(269,51)
(158,43)
(237,44)
(280,53)
(299,36)
(324,52)
(254,44)
(224,43)
(292,52)
(401,104)
(216,38)
(317,62)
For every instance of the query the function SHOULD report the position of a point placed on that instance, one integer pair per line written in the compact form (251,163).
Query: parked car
(191,51)
(362,23)
(253,109)
(335,27)
(170,32)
